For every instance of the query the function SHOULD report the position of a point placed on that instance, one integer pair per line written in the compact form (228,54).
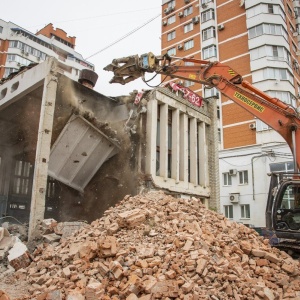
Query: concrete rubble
(154,246)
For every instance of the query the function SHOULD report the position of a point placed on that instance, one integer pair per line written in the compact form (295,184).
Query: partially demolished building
(69,152)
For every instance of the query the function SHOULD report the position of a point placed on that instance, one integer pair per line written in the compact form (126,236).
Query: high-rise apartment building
(260,41)
(19,47)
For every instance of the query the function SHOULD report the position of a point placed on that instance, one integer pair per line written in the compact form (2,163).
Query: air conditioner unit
(165,23)
(180,14)
(234,197)
(252,126)
(167,11)
(204,5)
(232,172)
(221,27)
(26,53)
(38,58)
(295,33)
(195,20)
(180,47)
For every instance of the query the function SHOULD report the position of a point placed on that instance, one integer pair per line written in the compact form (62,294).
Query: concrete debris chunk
(3,233)
(66,229)
(18,256)
(191,253)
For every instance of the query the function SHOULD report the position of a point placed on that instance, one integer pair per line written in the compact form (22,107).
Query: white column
(193,151)
(203,155)
(183,160)
(163,141)
(37,209)
(151,129)
(175,145)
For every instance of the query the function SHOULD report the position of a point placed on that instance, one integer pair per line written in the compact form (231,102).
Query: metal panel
(78,153)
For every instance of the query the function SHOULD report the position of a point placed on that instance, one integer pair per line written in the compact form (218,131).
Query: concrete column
(151,130)
(203,158)
(184,151)
(38,199)
(213,155)
(175,145)
(163,155)
(193,152)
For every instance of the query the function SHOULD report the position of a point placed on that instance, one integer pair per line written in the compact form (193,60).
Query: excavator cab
(283,206)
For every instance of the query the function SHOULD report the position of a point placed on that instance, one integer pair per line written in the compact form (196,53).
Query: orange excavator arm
(272,111)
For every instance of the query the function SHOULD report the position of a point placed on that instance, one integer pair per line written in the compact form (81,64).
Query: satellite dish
(242,3)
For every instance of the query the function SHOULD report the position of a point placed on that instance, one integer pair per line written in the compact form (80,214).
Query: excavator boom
(275,113)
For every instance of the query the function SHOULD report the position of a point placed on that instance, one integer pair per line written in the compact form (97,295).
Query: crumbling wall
(117,176)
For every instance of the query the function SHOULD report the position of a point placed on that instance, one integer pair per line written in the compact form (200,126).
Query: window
(243,177)
(211,92)
(279,53)
(172,51)
(1,29)
(282,167)
(261,126)
(187,11)
(207,15)
(189,44)
(189,63)
(286,97)
(270,8)
(188,83)
(188,27)
(245,211)
(228,211)
(273,29)
(227,179)
(208,33)
(210,51)
(9,71)
(171,4)
(264,8)
(26,48)
(21,178)
(278,74)
(19,59)
(171,35)
(171,19)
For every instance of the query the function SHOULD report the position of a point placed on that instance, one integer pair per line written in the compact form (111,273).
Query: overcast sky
(96,24)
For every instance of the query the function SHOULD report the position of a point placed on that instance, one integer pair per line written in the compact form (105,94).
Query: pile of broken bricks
(154,246)
(14,253)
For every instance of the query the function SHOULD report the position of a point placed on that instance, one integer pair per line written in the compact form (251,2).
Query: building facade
(70,159)
(260,41)
(19,48)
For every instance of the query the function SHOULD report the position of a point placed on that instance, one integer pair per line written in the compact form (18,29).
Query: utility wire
(124,36)
(95,17)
